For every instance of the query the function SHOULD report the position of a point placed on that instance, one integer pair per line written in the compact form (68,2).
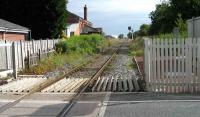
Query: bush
(137,47)
(83,44)
(138,53)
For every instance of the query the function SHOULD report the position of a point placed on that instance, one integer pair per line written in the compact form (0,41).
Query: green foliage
(188,8)
(56,60)
(121,36)
(137,47)
(131,65)
(144,31)
(73,51)
(181,24)
(83,44)
(137,53)
(45,18)
(164,18)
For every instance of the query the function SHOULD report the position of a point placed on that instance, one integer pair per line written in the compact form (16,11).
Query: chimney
(85,12)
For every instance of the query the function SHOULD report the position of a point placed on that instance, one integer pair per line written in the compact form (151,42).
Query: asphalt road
(136,105)
(106,105)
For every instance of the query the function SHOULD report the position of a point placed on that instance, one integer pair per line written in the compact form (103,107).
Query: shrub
(72,51)
(82,44)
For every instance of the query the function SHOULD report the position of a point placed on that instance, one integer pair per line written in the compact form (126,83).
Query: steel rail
(68,107)
(46,84)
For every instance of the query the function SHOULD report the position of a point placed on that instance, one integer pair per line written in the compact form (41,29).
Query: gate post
(14,61)
(147,64)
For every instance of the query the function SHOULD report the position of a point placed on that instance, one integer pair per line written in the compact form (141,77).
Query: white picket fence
(22,49)
(172,65)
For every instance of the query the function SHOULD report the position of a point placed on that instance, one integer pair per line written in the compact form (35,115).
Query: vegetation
(164,18)
(83,44)
(71,52)
(45,18)
(55,61)
(169,16)
(131,65)
(121,36)
(143,31)
(137,47)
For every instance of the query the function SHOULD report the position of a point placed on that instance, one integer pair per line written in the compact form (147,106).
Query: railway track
(84,78)
(65,78)
(99,83)
(85,86)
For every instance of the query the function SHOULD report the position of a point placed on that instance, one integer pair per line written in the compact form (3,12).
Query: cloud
(116,5)
(115,15)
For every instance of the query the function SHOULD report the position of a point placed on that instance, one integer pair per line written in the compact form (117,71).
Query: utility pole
(132,34)
(131,30)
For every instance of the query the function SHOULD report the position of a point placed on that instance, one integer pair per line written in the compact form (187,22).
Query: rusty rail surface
(64,112)
(46,84)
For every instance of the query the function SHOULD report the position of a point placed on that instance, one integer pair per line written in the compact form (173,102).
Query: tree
(163,19)
(181,24)
(187,8)
(45,18)
(121,36)
(144,30)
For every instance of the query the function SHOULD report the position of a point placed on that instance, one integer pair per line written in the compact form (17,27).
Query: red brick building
(78,25)
(12,32)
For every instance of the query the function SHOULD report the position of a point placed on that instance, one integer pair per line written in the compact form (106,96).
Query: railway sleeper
(105,84)
(120,85)
(110,82)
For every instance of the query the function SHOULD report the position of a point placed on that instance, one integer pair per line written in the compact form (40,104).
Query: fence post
(6,51)
(193,27)
(53,43)
(33,46)
(146,64)
(22,55)
(39,55)
(40,44)
(47,47)
(28,59)
(14,61)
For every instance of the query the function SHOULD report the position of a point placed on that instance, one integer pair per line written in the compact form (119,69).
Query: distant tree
(45,18)
(121,36)
(144,30)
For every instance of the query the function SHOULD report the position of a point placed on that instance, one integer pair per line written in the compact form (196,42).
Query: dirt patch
(140,62)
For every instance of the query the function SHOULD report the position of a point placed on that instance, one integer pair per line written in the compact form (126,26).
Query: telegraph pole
(131,30)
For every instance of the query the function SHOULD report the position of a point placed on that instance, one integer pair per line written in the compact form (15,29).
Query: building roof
(89,29)
(11,27)
(73,18)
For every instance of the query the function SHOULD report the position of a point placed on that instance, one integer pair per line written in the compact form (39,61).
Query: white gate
(172,65)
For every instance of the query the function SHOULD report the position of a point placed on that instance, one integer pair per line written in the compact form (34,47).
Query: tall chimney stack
(85,12)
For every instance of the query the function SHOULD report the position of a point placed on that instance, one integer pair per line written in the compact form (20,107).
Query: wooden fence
(25,52)
(172,65)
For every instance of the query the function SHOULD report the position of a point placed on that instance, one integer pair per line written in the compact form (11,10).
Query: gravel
(121,71)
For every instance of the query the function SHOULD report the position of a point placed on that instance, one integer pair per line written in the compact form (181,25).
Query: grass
(137,47)
(73,51)
(131,65)
(183,35)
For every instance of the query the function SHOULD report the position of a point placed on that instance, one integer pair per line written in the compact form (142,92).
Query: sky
(114,16)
